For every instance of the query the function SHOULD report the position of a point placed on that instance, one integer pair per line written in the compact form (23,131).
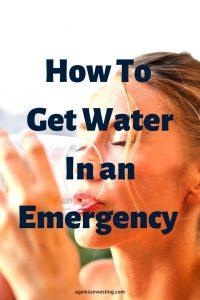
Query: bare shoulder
(100,275)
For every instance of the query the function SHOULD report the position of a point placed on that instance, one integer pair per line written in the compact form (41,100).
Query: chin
(89,238)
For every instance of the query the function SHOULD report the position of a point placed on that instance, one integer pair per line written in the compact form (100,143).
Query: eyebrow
(144,133)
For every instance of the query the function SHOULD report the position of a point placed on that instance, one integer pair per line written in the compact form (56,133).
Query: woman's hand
(37,263)
(5,289)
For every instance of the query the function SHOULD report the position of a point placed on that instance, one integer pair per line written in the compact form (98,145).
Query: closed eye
(122,143)
(118,143)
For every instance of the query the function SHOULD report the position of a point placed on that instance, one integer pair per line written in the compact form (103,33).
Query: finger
(37,159)
(5,289)
(12,166)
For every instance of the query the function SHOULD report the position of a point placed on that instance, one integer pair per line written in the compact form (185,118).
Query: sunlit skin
(146,263)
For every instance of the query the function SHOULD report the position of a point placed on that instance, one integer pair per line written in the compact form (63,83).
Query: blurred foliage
(87,255)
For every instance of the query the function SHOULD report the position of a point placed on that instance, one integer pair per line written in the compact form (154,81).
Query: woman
(44,264)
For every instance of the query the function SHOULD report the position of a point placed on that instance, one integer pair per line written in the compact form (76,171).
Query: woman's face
(159,161)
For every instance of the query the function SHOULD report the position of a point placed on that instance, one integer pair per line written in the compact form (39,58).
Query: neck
(162,268)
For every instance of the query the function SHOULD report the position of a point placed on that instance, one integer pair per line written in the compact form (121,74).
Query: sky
(83,32)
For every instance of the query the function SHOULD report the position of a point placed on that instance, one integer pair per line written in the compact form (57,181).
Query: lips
(86,202)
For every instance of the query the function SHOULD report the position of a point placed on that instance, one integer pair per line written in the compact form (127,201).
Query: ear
(193,197)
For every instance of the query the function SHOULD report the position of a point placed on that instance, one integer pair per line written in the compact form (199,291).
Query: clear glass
(57,149)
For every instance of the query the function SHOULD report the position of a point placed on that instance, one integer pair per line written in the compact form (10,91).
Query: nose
(91,155)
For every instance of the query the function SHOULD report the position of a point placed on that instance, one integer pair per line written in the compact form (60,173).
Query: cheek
(161,153)
(159,168)
(158,179)
(118,196)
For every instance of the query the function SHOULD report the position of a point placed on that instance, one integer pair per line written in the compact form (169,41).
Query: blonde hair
(177,76)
